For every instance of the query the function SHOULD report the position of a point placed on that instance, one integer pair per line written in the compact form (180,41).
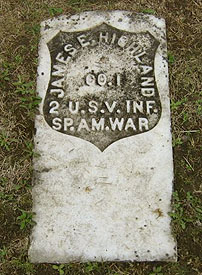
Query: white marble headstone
(103,181)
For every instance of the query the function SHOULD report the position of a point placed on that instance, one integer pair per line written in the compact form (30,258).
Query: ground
(19,36)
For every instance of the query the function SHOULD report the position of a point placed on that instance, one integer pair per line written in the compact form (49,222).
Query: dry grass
(19,35)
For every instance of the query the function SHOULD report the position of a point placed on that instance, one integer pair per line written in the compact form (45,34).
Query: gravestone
(103,180)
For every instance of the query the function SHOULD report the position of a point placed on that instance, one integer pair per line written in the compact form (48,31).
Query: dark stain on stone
(47,27)
(46,170)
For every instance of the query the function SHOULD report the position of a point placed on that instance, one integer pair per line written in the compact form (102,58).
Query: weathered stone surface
(103,181)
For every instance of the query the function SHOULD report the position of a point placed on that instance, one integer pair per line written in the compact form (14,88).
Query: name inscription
(102,86)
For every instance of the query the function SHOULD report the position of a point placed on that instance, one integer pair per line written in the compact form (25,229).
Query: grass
(19,33)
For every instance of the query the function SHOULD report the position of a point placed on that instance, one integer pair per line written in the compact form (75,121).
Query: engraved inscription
(102,86)
(101,79)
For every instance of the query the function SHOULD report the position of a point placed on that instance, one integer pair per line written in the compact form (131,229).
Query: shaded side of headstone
(103,181)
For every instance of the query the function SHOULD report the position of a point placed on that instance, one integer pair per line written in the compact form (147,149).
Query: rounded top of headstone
(120,19)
